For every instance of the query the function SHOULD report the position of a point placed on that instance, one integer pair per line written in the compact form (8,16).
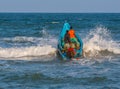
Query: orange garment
(71,33)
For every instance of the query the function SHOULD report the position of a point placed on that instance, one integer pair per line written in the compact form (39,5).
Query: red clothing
(71,50)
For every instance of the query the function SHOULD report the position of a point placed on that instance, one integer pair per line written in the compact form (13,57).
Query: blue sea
(28,51)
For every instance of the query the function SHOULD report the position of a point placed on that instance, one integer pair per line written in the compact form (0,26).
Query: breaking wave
(100,43)
(28,47)
(33,51)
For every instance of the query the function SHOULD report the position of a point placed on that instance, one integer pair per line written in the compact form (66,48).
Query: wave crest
(32,51)
(99,42)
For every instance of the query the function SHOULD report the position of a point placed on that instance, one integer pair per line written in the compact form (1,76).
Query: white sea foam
(99,40)
(24,47)
(32,40)
(19,39)
(33,51)
(54,22)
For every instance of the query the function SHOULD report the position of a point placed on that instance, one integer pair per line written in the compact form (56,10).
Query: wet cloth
(71,52)
(74,40)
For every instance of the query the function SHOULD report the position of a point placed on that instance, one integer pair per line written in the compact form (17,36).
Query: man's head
(71,27)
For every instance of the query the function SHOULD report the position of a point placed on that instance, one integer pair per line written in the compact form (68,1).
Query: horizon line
(53,12)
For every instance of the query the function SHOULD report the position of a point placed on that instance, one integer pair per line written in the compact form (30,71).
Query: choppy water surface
(28,58)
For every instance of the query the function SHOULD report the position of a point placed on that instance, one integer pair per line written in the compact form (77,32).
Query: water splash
(99,42)
(44,32)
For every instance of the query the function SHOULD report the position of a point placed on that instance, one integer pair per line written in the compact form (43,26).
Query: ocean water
(28,45)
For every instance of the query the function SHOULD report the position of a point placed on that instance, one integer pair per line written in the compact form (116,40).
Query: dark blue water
(28,58)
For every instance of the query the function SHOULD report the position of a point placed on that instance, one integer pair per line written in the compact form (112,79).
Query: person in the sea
(66,41)
(70,43)
(69,46)
(73,37)
(67,37)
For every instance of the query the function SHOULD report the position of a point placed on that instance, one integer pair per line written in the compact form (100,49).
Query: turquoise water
(28,44)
